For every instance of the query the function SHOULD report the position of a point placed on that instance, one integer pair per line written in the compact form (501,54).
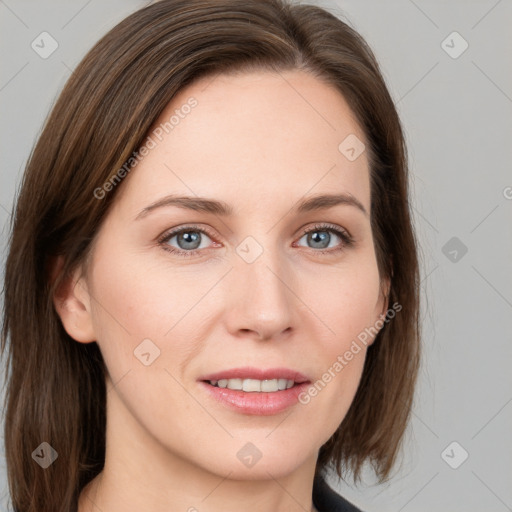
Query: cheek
(140,299)
(346,307)
(159,302)
(346,300)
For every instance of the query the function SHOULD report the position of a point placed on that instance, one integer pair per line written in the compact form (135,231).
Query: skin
(254,142)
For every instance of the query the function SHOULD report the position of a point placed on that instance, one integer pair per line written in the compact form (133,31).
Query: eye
(320,237)
(189,239)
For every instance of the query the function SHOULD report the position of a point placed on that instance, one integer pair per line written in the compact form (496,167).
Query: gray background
(457,118)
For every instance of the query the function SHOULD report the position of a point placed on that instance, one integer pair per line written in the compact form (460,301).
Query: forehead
(252,136)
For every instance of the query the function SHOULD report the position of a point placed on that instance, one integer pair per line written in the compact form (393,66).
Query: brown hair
(55,386)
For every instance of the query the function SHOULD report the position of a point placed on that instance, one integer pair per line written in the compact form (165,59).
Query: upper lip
(249,372)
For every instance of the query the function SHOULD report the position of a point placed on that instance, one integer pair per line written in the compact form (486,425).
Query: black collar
(327,500)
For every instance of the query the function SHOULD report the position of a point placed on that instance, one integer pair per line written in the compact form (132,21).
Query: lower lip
(257,403)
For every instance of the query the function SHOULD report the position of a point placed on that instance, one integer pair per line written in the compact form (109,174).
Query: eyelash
(347,239)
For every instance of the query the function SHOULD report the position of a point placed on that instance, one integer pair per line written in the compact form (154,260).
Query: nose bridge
(261,300)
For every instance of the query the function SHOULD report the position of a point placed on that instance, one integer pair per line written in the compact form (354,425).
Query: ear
(73,303)
(382,306)
(384,299)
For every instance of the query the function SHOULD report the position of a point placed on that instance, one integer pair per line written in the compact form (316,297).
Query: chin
(249,464)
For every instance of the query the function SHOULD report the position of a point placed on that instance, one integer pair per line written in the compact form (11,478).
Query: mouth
(256,380)
(255,391)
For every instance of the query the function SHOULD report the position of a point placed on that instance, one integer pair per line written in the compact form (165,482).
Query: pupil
(316,238)
(189,237)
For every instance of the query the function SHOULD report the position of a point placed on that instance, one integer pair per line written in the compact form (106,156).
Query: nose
(260,301)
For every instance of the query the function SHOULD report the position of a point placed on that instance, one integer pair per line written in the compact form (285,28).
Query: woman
(211,291)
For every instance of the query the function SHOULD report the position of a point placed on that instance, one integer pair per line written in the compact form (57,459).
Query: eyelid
(326,226)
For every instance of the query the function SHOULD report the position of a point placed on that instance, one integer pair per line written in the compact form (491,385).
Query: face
(176,294)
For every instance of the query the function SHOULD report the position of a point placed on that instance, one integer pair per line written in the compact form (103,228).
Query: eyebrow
(216,207)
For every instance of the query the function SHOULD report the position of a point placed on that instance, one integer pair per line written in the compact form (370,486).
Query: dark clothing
(327,500)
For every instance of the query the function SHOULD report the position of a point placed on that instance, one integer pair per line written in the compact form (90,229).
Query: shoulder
(326,499)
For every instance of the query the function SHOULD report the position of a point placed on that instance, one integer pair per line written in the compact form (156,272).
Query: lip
(256,403)
(250,372)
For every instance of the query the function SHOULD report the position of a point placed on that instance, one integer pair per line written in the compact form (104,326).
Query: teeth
(282,383)
(254,385)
